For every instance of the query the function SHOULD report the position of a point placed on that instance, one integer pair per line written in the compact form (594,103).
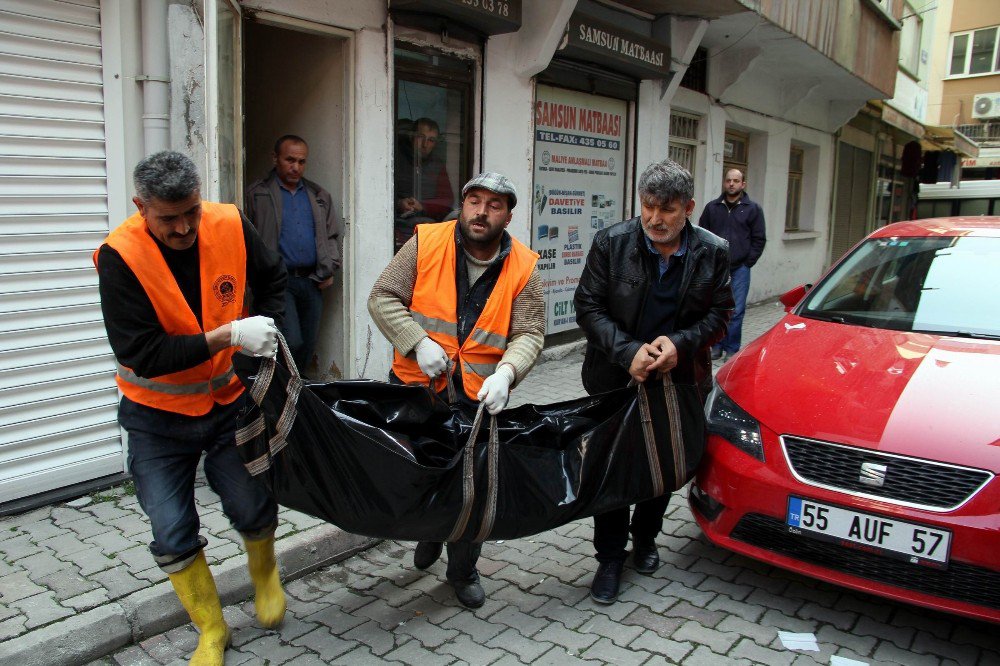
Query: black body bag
(398,462)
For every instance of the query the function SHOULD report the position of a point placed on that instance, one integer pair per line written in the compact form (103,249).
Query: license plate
(918,544)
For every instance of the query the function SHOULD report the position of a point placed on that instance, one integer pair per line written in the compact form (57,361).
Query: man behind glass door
(423,186)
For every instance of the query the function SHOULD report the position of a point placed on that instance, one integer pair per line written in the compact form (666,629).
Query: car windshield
(945,285)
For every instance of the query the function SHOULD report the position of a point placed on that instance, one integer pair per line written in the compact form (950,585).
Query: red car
(858,440)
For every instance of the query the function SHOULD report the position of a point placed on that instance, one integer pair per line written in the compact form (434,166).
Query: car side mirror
(792,297)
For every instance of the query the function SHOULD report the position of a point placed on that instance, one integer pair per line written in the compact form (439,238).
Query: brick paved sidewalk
(702,607)
(77,577)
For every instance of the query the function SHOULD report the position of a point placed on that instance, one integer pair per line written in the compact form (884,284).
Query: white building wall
(371,244)
(508,126)
(789,259)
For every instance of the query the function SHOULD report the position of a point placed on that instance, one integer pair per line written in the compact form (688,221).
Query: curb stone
(81,638)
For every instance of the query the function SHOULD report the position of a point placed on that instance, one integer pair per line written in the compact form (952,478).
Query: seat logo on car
(873,474)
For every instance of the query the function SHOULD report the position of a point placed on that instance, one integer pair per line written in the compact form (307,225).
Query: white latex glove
(257,335)
(431,358)
(496,389)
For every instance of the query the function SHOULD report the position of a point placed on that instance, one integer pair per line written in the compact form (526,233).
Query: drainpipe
(155,77)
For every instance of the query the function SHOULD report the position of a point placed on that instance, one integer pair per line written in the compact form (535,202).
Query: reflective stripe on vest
(432,325)
(216,383)
(222,278)
(434,307)
(489,339)
(484,370)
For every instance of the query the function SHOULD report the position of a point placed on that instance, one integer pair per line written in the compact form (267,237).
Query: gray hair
(167,176)
(666,181)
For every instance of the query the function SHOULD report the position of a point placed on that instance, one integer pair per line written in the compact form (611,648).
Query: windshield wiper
(812,314)
(840,318)
(962,334)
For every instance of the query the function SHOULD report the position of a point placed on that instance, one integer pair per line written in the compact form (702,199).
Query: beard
(475,238)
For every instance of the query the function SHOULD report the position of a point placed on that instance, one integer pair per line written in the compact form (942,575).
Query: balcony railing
(982,133)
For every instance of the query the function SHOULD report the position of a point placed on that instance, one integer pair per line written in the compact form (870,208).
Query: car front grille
(961,582)
(909,481)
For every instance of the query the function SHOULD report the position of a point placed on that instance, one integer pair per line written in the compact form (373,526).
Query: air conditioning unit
(986,105)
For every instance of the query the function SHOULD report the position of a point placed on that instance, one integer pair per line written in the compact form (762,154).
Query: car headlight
(728,420)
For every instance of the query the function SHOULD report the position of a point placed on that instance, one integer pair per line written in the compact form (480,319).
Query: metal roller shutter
(850,217)
(58,398)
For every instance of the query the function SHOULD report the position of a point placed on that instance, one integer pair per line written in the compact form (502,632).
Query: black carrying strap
(258,389)
(452,393)
(468,478)
(673,409)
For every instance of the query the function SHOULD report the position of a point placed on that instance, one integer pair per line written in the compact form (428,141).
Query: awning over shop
(937,137)
(900,121)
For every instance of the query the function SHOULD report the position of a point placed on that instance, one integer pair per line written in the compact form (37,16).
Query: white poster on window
(579,183)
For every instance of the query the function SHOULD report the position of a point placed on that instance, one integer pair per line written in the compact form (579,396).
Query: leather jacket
(263,206)
(612,292)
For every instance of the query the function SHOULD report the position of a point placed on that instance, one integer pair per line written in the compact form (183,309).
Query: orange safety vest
(435,308)
(222,256)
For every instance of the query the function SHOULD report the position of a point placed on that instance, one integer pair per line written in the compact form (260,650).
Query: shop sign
(491,17)
(988,157)
(893,117)
(622,50)
(579,182)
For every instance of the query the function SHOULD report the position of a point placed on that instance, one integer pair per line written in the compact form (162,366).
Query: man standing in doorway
(740,221)
(653,297)
(173,279)
(295,216)
(463,297)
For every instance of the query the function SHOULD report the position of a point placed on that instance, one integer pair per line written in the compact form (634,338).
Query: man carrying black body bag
(654,297)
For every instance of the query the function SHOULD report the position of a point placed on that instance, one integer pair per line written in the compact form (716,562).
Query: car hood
(910,393)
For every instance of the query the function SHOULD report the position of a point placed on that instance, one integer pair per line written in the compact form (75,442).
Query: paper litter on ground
(844,661)
(793,641)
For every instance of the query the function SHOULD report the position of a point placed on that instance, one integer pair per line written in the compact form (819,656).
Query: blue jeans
(303,307)
(741,287)
(163,453)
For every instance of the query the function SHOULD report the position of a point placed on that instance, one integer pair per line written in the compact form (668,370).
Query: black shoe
(645,559)
(469,594)
(716,354)
(604,589)
(426,553)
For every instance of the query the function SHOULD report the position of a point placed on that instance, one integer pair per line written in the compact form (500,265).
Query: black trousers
(462,558)
(611,529)
(462,555)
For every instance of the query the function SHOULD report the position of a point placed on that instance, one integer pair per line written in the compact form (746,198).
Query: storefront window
(734,153)
(683,143)
(793,206)
(579,188)
(891,203)
(433,146)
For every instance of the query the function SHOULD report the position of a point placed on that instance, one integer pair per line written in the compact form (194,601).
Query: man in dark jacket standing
(654,296)
(295,217)
(740,221)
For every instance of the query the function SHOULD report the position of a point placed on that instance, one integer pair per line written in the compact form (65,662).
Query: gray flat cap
(494,182)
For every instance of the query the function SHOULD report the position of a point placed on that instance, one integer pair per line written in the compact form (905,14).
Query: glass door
(433,144)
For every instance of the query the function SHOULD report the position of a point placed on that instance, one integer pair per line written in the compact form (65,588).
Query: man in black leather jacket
(654,297)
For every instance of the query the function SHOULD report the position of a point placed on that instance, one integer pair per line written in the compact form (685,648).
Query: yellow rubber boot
(269,598)
(195,587)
